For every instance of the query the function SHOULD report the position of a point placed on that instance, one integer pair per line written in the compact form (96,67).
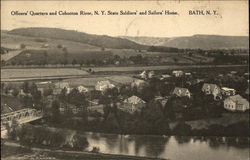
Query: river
(175,148)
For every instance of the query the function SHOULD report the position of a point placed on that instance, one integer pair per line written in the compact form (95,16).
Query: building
(82,89)
(165,76)
(151,74)
(178,73)
(236,103)
(228,91)
(182,92)
(138,83)
(70,108)
(103,85)
(162,100)
(132,104)
(59,86)
(233,72)
(212,89)
(188,74)
(143,75)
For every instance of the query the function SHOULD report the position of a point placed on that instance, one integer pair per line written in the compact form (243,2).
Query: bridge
(20,116)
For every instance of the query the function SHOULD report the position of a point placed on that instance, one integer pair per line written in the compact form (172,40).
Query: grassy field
(165,67)
(91,81)
(32,73)
(34,53)
(101,72)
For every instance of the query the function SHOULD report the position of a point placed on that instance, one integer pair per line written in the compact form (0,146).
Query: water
(175,148)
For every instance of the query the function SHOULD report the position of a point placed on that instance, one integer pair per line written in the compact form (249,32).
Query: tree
(55,111)
(182,129)
(15,92)
(47,92)
(25,87)
(74,62)
(63,95)
(33,89)
(27,101)
(77,98)
(22,46)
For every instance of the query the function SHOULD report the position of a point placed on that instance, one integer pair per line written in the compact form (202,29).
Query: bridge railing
(23,114)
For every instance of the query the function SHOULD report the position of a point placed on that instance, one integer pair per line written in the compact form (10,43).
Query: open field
(66,73)
(10,55)
(165,67)
(91,81)
(39,73)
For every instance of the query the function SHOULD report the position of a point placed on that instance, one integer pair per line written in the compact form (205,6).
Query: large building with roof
(236,103)
(181,92)
(212,89)
(132,104)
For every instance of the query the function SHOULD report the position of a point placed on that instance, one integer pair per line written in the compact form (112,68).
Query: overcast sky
(232,18)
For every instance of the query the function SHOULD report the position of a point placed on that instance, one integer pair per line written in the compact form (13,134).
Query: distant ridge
(96,40)
(196,41)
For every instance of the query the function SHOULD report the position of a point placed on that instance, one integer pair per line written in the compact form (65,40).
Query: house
(162,100)
(103,85)
(70,108)
(233,72)
(236,103)
(212,89)
(178,73)
(165,76)
(228,91)
(132,104)
(181,92)
(143,75)
(138,83)
(151,74)
(220,75)
(188,74)
(59,86)
(82,89)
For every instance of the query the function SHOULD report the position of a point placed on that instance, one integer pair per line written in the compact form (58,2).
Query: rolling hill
(196,41)
(70,35)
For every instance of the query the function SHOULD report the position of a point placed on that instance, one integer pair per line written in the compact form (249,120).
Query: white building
(178,73)
(82,89)
(212,89)
(103,85)
(228,91)
(182,92)
(236,103)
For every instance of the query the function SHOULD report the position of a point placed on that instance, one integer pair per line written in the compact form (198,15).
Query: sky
(231,17)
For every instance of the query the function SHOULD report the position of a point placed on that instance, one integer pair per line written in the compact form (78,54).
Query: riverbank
(13,151)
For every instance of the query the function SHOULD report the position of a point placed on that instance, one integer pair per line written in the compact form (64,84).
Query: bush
(182,129)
